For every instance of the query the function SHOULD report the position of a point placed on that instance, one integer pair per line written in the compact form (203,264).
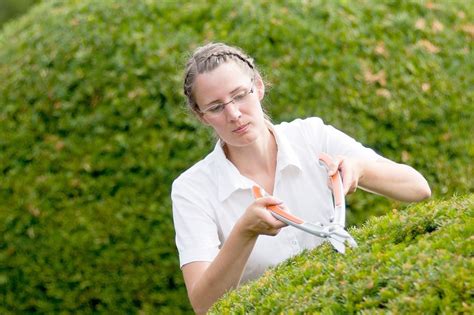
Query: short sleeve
(196,230)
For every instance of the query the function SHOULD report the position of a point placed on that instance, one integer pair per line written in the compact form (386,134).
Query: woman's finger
(334,166)
(346,177)
(349,178)
(268,201)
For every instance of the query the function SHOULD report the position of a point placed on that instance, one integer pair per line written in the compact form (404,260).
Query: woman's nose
(233,111)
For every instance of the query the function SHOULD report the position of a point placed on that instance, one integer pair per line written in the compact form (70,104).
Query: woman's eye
(239,96)
(217,108)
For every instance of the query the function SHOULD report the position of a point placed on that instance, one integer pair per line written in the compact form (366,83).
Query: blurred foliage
(415,261)
(10,9)
(93,127)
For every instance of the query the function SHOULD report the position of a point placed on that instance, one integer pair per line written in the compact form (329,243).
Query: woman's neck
(256,161)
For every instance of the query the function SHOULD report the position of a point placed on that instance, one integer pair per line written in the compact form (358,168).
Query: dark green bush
(415,261)
(93,131)
(10,9)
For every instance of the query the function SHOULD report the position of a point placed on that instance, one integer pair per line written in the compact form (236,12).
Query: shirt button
(294,242)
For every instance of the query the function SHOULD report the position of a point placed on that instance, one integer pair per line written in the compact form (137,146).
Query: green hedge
(415,261)
(93,129)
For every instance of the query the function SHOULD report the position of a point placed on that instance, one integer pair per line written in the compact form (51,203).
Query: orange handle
(335,179)
(258,194)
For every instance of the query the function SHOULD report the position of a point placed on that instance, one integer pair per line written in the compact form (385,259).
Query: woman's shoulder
(304,133)
(302,127)
(197,175)
(302,123)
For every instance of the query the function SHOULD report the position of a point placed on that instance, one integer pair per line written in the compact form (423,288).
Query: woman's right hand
(257,219)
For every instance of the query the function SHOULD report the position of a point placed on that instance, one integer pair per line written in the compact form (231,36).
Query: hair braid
(243,58)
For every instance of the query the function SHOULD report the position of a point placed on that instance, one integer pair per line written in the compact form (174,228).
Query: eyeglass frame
(233,100)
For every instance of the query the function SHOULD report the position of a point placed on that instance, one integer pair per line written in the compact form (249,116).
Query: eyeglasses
(238,99)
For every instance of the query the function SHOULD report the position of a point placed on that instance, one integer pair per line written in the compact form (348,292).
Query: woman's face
(241,121)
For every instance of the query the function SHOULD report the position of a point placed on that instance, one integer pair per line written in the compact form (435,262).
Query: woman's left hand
(350,172)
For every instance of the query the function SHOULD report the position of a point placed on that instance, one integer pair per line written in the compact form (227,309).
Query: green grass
(93,127)
(418,261)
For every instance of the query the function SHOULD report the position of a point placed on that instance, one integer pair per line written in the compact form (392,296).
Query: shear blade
(338,245)
(352,242)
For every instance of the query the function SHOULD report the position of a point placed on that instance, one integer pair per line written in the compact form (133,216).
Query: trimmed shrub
(415,261)
(93,128)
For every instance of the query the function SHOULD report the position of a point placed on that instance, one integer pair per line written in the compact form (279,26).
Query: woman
(225,236)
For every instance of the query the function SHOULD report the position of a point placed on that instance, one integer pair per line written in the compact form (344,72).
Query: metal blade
(338,245)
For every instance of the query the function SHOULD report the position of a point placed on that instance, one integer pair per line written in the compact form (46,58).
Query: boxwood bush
(415,261)
(93,127)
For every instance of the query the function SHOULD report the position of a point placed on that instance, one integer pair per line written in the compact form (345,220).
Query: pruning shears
(334,232)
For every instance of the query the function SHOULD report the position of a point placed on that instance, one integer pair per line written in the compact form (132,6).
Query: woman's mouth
(241,129)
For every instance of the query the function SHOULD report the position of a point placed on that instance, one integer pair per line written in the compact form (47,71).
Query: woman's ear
(260,86)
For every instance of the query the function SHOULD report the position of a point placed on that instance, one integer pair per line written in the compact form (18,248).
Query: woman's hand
(351,172)
(257,219)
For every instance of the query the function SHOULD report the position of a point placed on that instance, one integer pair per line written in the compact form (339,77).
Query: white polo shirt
(209,198)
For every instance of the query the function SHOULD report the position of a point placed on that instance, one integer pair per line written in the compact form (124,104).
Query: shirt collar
(228,177)
(286,154)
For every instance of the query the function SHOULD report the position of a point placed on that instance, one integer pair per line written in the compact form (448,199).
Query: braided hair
(208,58)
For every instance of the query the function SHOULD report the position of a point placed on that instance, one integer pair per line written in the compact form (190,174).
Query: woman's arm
(208,281)
(383,177)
